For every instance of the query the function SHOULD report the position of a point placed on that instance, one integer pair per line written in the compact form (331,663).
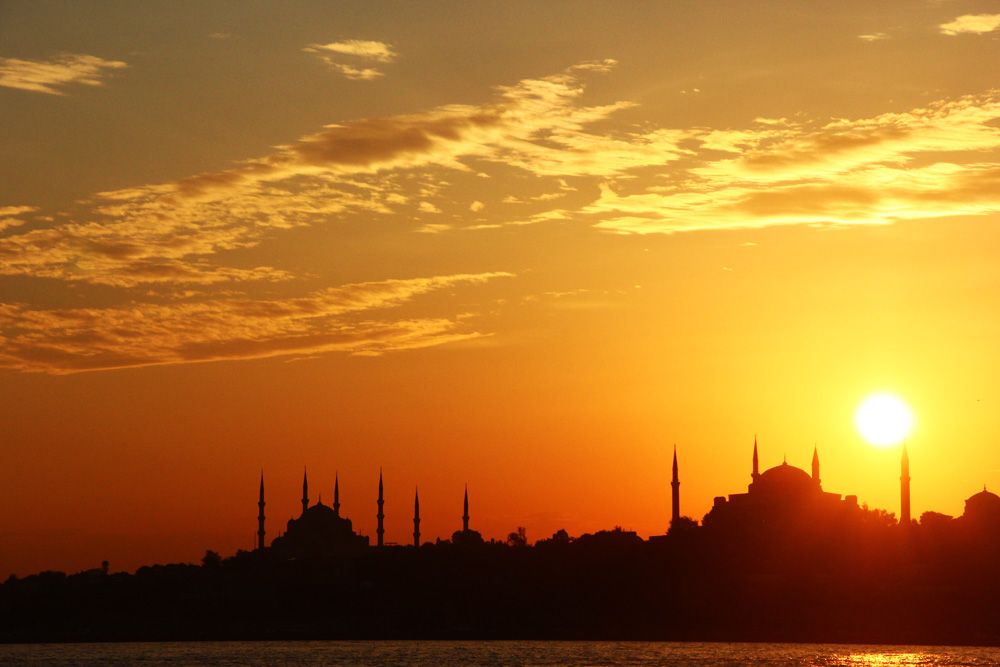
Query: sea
(485,653)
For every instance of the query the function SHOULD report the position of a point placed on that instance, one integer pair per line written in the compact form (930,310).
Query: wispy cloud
(335,319)
(149,240)
(972,23)
(876,170)
(49,76)
(167,233)
(873,37)
(355,50)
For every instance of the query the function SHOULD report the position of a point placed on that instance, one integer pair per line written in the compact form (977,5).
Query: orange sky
(523,246)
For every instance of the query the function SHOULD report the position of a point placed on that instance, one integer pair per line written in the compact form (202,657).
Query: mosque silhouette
(321,531)
(780,498)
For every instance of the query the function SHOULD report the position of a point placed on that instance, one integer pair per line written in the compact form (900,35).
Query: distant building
(780,496)
(982,509)
(466,536)
(319,530)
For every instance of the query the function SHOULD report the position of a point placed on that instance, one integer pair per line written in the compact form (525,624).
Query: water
(487,654)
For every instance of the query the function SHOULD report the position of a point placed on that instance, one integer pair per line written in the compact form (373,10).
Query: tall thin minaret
(904,489)
(305,491)
(815,464)
(675,492)
(465,517)
(756,467)
(336,495)
(416,518)
(380,515)
(260,516)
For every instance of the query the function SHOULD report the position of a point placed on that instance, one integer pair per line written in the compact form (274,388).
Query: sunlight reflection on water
(488,654)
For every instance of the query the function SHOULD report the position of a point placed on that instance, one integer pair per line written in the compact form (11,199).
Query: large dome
(784,480)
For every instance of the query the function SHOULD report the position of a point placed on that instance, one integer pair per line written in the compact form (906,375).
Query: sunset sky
(523,246)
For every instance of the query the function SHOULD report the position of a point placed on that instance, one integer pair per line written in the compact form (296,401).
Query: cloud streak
(171,233)
(335,319)
(356,50)
(972,23)
(49,76)
(868,171)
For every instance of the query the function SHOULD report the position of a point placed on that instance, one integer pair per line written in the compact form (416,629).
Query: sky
(527,247)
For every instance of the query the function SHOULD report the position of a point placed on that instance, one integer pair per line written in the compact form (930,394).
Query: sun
(884,420)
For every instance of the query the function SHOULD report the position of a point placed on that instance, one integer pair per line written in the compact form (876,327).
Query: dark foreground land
(866,583)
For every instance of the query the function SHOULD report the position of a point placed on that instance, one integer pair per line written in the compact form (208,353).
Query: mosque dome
(784,480)
(983,505)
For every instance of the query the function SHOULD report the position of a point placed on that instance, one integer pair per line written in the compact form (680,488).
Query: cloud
(48,76)
(356,74)
(16,210)
(175,232)
(333,54)
(873,37)
(367,50)
(334,319)
(868,171)
(973,23)
(655,179)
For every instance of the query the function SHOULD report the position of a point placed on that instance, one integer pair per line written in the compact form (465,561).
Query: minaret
(756,467)
(380,515)
(416,518)
(305,491)
(260,517)
(675,492)
(904,489)
(815,465)
(465,517)
(336,495)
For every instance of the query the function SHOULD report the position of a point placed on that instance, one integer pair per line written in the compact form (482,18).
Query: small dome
(983,504)
(784,480)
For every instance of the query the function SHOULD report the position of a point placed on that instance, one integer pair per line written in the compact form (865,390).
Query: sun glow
(884,420)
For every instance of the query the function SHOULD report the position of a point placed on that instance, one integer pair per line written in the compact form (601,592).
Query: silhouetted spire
(465,517)
(815,464)
(260,516)
(756,467)
(381,501)
(305,491)
(336,495)
(904,489)
(675,492)
(416,518)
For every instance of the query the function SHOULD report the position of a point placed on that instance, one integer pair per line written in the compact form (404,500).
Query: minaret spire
(380,516)
(815,464)
(305,491)
(756,467)
(260,516)
(465,517)
(675,493)
(416,518)
(904,489)
(336,494)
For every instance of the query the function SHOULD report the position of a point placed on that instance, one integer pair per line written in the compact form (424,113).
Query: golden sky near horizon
(525,246)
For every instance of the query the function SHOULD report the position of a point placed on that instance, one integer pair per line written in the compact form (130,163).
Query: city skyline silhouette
(525,247)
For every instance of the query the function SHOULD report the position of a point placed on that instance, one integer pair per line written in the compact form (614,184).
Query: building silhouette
(904,489)
(380,531)
(416,517)
(318,531)
(675,493)
(781,496)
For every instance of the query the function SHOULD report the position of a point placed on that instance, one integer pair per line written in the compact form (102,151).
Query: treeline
(867,581)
